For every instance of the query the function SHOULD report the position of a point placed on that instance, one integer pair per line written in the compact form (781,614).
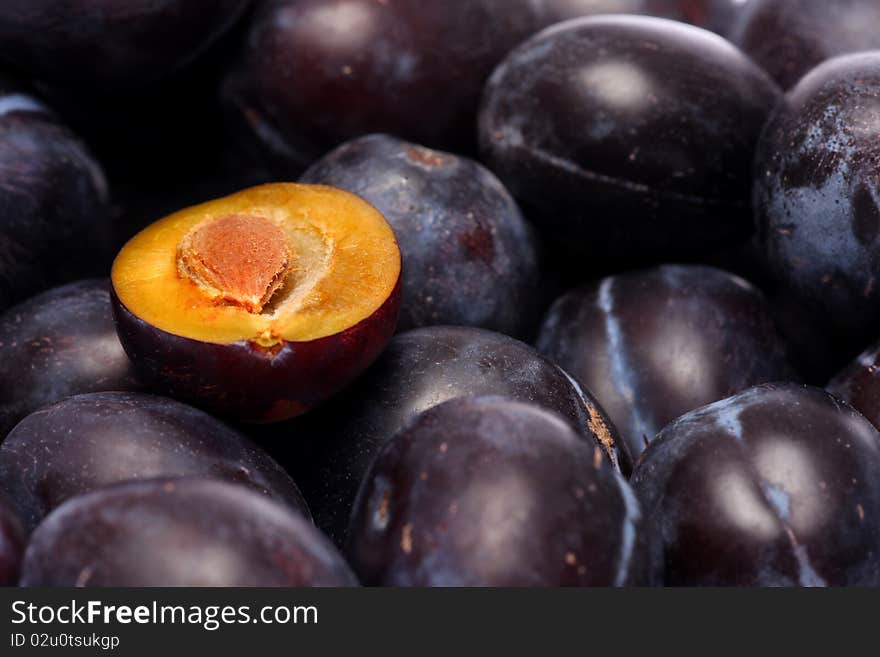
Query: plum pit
(240,259)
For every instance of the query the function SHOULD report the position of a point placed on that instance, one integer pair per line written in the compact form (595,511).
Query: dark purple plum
(859,384)
(470,258)
(315,73)
(817,197)
(716,15)
(92,440)
(627,137)
(419,369)
(491,492)
(790,37)
(54,209)
(719,16)
(102,43)
(654,344)
(12,542)
(57,344)
(179,532)
(548,12)
(776,486)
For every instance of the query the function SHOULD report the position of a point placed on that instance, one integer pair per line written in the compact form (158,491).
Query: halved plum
(262,304)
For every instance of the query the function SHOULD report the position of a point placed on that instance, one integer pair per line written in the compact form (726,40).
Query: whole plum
(627,138)
(776,486)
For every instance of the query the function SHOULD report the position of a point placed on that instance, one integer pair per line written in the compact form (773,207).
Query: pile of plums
(461,293)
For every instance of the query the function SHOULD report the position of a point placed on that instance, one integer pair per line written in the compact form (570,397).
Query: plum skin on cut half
(260,305)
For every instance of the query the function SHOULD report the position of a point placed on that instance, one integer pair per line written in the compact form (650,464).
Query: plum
(716,15)
(12,542)
(262,304)
(179,532)
(817,198)
(91,440)
(490,492)
(776,486)
(335,445)
(315,73)
(654,344)
(859,384)
(627,138)
(471,259)
(53,195)
(57,344)
(101,43)
(790,37)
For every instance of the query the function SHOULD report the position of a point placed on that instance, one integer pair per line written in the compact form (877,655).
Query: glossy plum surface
(629,132)
(490,492)
(12,542)
(315,73)
(817,197)
(858,384)
(104,42)
(179,532)
(420,369)
(715,15)
(790,37)
(779,485)
(470,257)
(59,343)
(92,440)
(54,195)
(654,344)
